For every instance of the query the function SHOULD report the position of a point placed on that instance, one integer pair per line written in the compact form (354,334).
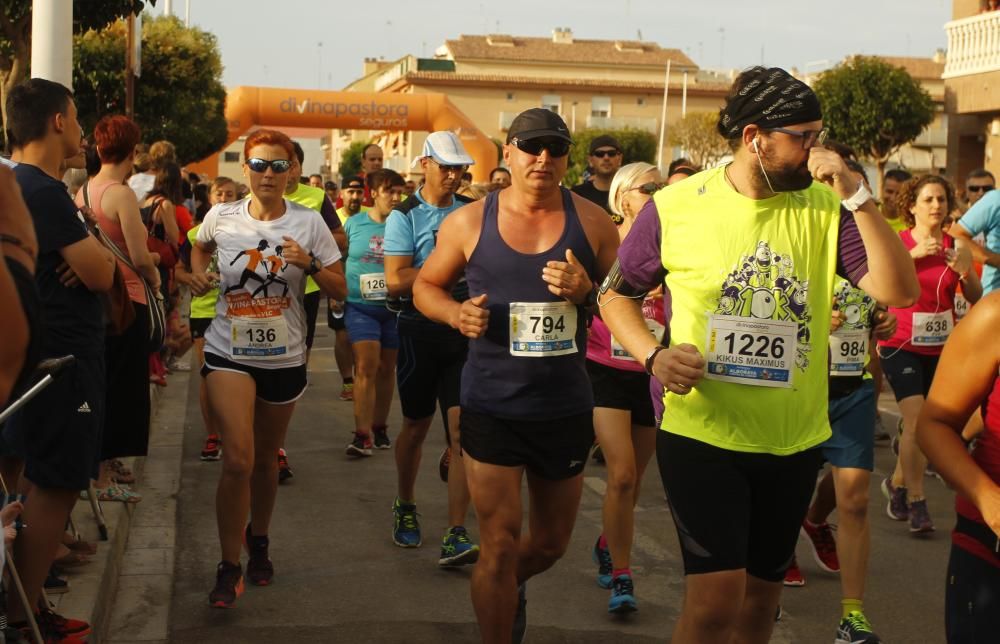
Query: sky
(323,43)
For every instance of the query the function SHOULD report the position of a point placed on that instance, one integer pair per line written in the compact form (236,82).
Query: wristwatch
(651,357)
(857,200)
(314,265)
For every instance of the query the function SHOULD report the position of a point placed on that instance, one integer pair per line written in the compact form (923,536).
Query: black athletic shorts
(735,510)
(552,449)
(335,322)
(910,374)
(275,386)
(58,433)
(620,389)
(199,326)
(311,304)
(427,373)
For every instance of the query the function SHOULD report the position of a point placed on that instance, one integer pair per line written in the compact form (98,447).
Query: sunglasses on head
(600,154)
(261,165)
(978,188)
(556,147)
(648,188)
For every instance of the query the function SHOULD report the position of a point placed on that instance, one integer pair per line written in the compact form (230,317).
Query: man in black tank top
(530,254)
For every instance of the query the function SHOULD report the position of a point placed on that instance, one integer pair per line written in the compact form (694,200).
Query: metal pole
(663,117)
(52,41)
(684,96)
(187,13)
(168,7)
(130,65)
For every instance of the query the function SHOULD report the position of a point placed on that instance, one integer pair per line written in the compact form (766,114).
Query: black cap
(604,141)
(352,182)
(538,122)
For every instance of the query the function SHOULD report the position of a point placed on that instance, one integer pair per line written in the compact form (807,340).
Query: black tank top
(530,364)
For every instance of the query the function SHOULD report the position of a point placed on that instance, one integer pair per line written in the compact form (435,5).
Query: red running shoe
(824,546)
(793,576)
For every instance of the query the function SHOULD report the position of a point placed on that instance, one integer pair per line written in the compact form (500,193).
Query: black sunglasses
(809,137)
(451,168)
(600,154)
(978,188)
(261,165)
(556,147)
(648,188)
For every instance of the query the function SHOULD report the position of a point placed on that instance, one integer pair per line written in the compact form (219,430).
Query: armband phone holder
(616,281)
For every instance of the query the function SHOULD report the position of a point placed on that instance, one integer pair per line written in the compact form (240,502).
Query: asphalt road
(339,578)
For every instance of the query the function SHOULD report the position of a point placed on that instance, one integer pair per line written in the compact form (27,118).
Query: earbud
(755,146)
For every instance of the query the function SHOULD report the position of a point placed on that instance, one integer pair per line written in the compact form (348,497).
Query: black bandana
(768,98)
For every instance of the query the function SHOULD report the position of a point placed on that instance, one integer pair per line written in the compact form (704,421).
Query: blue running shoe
(457,549)
(622,595)
(405,527)
(602,557)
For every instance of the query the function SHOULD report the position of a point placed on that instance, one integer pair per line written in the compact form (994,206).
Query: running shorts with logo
(759,414)
(528,371)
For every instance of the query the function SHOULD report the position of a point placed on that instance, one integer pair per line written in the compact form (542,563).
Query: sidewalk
(127,585)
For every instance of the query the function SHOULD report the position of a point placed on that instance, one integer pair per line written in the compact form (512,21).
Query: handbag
(119,312)
(154,299)
(156,241)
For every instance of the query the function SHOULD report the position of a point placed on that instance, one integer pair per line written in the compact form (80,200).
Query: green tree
(350,159)
(637,145)
(179,97)
(697,135)
(873,106)
(15,34)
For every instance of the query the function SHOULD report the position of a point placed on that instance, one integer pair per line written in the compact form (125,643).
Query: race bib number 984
(542,329)
(848,350)
(750,351)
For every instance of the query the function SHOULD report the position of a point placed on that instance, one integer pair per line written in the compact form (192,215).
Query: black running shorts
(552,449)
(620,389)
(735,510)
(199,326)
(310,302)
(274,386)
(910,374)
(429,372)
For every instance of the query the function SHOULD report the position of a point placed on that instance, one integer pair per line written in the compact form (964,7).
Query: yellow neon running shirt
(770,259)
(203,306)
(311,197)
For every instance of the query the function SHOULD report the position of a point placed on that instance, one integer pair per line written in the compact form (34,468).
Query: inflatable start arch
(247,107)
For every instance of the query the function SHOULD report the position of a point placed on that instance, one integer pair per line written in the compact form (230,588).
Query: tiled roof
(544,50)
(919,68)
(452,78)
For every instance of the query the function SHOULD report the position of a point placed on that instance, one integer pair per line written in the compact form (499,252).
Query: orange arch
(274,107)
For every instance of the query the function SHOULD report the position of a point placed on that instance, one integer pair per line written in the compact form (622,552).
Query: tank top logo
(764,286)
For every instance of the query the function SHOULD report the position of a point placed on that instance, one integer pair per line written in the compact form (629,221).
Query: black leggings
(972,599)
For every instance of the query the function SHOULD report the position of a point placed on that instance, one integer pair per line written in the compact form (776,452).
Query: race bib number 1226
(750,351)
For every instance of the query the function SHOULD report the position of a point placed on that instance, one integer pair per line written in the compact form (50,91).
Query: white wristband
(859,198)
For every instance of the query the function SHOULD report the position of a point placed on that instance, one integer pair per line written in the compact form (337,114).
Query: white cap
(444,148)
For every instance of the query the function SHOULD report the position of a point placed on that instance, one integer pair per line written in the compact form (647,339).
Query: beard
(785,178)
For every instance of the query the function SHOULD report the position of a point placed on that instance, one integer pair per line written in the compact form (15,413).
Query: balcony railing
(973,45)
(619,122)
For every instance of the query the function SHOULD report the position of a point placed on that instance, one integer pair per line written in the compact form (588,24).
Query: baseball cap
(352,182)
(444,148)
(538,122)
(604,141)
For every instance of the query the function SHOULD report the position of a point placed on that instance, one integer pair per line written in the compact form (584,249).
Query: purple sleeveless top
(497,382)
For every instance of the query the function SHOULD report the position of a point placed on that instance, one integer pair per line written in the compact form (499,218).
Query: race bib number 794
(750,351)
(542,329)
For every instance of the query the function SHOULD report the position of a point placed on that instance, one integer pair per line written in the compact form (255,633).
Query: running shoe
(793,576)
(855,629)
(896,508)
(381,435)
(920,518)
(823,545)
(457,549)
(50,622)
(361,445)
(347,391)
(602,557)
(597,454)
(284,470)
(228,585)
(213,448)
(260,570)
(444,463)
(54,584)
(778,614)
(622,595)
(405,526)
(520,618)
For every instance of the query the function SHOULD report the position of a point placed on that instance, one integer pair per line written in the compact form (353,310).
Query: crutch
(51,369)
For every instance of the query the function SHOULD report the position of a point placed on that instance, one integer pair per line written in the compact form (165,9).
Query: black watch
(590,301)
(314,266)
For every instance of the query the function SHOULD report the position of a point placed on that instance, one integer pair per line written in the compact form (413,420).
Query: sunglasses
(648,188)
(600,154)
(809,138)
(556,147)
(455,169)
(261,165)
(978,188)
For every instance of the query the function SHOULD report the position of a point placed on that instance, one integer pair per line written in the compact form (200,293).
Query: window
(510,96)
(231,157)
(600,106)
(552,102)
(641,100)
